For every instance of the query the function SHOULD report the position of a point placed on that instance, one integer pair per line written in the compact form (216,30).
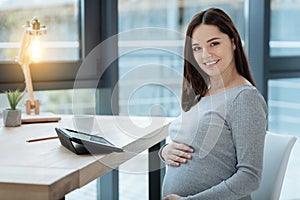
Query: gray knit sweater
(227,131)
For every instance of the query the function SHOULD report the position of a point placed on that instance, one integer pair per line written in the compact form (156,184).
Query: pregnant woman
(217,142)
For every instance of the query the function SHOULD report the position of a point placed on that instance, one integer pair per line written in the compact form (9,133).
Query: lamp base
(35,106)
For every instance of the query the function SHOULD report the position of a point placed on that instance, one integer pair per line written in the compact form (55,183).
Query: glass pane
(284,118)
(61,18)
(150,65)
(174,14)
(285,28)
(284,105)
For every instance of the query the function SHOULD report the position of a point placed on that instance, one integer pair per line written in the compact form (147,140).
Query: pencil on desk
(41,139)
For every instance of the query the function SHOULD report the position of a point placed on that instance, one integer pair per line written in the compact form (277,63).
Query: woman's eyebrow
(215,38)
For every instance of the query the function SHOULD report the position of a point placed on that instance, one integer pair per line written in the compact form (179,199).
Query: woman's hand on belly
(176,153)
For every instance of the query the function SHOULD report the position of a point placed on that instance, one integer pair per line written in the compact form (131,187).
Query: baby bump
(193,177)
(183,181)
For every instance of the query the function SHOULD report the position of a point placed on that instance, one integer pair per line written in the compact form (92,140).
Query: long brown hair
(195,80)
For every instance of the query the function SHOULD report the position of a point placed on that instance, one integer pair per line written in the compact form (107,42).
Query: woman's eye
(214,44)
(197,48)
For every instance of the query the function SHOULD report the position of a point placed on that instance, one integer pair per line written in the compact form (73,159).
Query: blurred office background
(149,64)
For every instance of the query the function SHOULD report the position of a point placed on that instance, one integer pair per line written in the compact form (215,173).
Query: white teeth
(211,63)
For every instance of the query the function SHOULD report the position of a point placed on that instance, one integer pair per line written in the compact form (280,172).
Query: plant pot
(12,118)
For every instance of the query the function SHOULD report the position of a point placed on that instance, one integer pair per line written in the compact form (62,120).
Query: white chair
(276,155)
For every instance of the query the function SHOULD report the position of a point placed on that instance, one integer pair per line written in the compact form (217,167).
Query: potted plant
(12,115)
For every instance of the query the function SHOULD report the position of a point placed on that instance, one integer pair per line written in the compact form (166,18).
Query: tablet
(84,143)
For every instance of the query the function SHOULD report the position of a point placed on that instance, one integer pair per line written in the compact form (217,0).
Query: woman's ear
(233,44)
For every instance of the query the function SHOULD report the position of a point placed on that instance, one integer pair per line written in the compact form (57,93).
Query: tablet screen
(99,140)
(87,137)
(80,137)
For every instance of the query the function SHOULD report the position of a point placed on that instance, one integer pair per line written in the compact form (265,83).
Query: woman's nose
(205,53)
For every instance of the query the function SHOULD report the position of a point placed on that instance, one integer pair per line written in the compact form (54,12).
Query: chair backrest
(277,151)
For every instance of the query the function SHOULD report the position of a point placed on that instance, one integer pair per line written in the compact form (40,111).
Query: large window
(61,18)
(284,33)
(61,49)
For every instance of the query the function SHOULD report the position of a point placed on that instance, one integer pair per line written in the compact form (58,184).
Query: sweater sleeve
(247,120)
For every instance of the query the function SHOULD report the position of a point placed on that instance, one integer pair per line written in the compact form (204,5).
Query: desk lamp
(30,52)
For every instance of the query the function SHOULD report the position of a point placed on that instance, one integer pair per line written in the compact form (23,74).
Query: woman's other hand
(176,153)
(172,197)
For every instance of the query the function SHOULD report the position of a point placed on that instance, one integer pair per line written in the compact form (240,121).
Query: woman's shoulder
(246,95)
(246,91)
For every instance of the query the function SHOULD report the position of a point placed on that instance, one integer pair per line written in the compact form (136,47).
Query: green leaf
(14,97)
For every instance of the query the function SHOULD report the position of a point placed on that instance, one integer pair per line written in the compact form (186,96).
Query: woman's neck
(226,80)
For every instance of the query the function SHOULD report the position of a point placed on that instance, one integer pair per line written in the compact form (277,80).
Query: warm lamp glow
(30,51)
(36,49)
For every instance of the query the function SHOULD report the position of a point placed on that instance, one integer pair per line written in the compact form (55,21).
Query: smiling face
(213,50)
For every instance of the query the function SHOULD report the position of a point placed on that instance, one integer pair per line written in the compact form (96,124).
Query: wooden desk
(47,170)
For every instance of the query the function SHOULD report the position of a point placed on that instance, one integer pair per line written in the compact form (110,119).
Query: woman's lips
(211,63)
